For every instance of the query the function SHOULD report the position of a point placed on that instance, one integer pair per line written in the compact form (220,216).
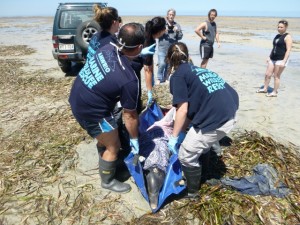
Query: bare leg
(268,75)
(277,73)
(204,63)
(112,143)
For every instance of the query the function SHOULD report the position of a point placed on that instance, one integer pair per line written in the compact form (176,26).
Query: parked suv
(73,28)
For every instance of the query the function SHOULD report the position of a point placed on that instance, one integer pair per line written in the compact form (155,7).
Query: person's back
(99,40)
(212,101)
(99,85)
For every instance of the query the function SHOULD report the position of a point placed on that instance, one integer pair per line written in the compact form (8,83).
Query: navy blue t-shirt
(99,40)
(211,101)
(102,82)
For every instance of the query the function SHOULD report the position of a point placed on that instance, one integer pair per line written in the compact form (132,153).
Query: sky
(268,8)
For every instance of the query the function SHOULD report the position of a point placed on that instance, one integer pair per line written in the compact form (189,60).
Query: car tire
(65,66)
(84,33)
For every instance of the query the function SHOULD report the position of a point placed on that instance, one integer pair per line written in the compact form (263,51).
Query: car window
(71,19)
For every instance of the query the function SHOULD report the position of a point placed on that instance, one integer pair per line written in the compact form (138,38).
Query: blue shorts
(105,125)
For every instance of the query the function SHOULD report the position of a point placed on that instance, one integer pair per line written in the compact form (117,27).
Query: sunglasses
(283,22)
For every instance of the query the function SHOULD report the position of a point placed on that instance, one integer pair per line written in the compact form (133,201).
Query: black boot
(193,180)
(204,160)
(122,172)
(107,173)
(155,180)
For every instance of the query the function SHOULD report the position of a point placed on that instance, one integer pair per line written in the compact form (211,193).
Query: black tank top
(210,33)
(279,47)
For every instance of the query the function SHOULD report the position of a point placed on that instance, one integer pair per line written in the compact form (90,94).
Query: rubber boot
(107,173)
(122,172)
(204,160)
(155,180)
(193,180)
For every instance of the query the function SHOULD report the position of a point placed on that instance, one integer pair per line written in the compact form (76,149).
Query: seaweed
(39,136)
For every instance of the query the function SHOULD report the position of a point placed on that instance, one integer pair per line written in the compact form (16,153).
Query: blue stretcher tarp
(171,184)
(173,172)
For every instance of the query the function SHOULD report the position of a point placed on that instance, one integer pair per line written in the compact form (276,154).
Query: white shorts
(278,62)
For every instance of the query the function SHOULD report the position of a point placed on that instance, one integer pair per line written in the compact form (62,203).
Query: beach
(246,43)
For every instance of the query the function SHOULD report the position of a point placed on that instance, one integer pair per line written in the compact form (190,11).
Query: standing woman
(278,60)
(154,29)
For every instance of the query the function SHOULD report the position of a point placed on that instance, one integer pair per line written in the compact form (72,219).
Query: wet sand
(245,44)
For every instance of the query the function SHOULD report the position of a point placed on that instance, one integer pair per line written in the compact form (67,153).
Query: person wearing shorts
(108,78)
(282,45)
(208,32)
(206,104)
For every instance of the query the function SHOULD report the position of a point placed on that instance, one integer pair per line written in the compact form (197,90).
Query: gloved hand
(181,137)
(150,50)
(134,144)
(150,98)
(173,144)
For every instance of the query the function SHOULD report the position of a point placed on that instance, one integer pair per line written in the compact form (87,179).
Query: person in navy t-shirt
(109,21)
(205,103)
(106,79)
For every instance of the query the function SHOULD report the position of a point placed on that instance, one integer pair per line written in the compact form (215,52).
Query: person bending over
(105,79)
(205,103)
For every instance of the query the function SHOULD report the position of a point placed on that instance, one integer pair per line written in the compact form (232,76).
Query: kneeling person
(105,79)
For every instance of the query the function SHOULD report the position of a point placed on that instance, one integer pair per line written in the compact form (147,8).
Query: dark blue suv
(73,28)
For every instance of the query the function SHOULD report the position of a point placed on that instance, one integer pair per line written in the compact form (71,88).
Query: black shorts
(206,51)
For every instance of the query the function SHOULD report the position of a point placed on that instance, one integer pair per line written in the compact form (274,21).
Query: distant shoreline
(199,15)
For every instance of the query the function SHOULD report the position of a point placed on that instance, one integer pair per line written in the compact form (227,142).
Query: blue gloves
(134,144)
(150,98)
(173,144)
(150,50)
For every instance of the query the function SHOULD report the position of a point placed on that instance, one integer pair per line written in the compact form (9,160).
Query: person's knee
(111,151)
(268,75)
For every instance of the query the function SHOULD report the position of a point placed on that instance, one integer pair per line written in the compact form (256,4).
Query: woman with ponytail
(206,104)
(154,29)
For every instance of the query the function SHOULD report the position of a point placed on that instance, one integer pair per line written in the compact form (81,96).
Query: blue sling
(173,172)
